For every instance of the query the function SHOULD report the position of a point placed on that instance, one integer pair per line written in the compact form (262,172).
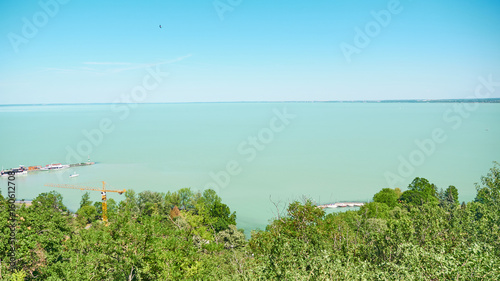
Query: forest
(423,233)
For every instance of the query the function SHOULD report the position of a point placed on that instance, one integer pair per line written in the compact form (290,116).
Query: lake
(258,156)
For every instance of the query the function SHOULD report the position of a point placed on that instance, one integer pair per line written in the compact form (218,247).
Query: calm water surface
(255,155)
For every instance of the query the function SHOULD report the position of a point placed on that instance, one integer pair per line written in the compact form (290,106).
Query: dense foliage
(420,234)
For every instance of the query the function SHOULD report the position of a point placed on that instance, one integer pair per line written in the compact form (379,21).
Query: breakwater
(341,205)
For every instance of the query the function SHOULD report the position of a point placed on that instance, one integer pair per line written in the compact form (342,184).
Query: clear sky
(100,51)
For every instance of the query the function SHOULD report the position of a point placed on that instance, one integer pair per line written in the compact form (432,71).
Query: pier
(22,170)
(82,164)
(26,203)
(58,166)
(341,205)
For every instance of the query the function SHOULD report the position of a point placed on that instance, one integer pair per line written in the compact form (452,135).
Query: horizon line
(285,101)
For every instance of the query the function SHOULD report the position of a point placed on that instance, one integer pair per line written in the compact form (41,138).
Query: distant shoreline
(488,100)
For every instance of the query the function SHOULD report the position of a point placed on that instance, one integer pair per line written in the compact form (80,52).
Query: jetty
(82,164)
(57,166)
(22,170)
(27,203)
(341,205)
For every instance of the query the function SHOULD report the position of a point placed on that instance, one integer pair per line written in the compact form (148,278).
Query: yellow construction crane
(103,191)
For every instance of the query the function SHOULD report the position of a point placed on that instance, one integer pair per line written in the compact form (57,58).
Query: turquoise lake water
(255,155)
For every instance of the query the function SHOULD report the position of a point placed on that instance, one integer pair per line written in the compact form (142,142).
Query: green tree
(222,215)
(449,197)
(40,231)
(150,202)
(112,207)
(424,186)
(489,195)
(398,191)
(172,200)
(85,200)
(374,210)
(408,242)
(412,197)
(420,191)
(387,196)
(452,194)
(210,197)
(186,199)
(130,203)
(52,200)
(87,214)
(231,238)
(489,192)
(291,244)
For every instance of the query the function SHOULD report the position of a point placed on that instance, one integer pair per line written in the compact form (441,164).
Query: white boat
(58,166)
(74,175)
(17,171)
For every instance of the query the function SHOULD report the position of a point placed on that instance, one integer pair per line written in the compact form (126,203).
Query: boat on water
(57,166)
(17,171)
(74,175)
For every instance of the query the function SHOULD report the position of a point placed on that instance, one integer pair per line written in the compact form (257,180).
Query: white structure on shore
(341,205)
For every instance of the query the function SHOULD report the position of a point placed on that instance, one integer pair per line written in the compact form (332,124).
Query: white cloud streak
(119,66)
(107,63)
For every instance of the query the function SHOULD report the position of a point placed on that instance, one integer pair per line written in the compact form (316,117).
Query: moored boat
(57,166)
(17,171)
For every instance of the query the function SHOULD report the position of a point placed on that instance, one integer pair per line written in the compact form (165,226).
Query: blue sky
(99,51)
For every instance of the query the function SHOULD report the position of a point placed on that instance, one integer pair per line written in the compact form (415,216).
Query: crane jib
(103,191)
